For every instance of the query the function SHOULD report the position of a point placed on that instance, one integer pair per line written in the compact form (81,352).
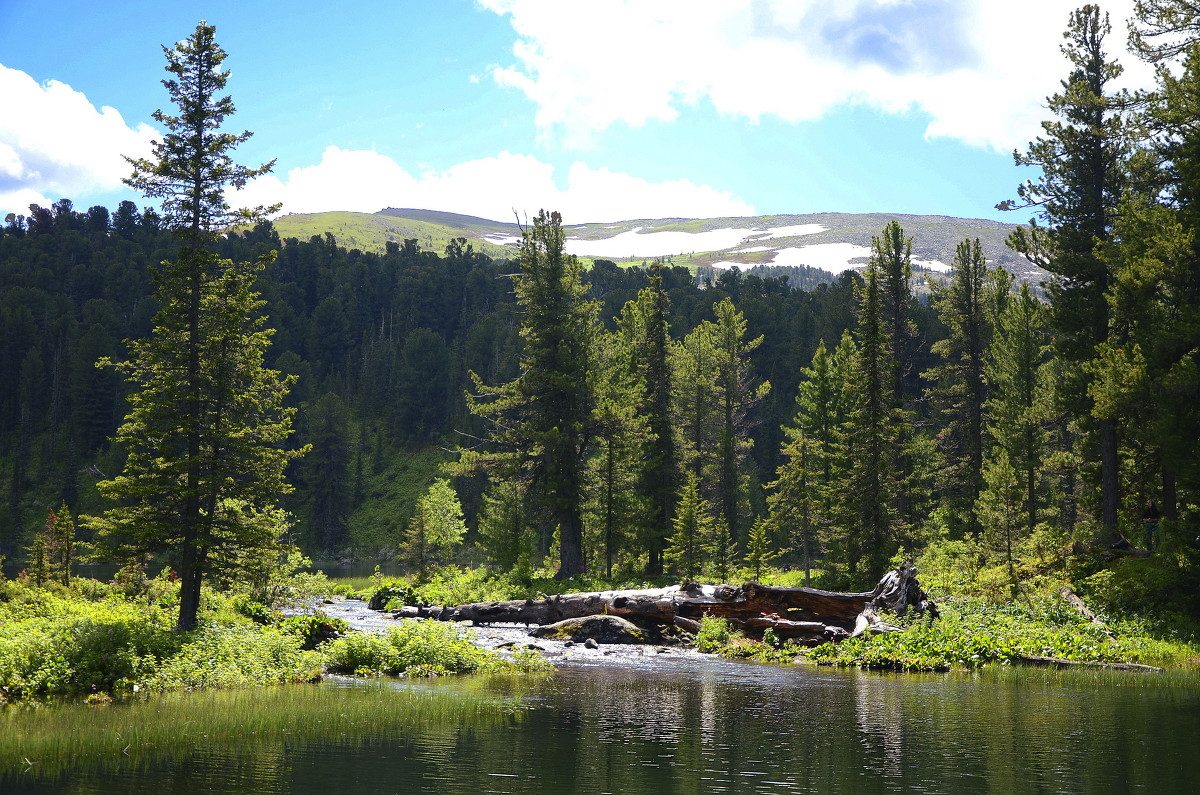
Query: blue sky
(603,110)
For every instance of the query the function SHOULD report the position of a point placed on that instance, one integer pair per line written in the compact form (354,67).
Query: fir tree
(542,422)
(643,327)
(206,425)
(693,527)
(967,308)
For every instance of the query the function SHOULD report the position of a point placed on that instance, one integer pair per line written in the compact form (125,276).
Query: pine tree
(1018,407)
(694,365)
(759,552)
(621,440)
(205,450)
(1083,162)
(803,494)
(967,306)
(693,527)
(60,543)
(542,422)
(643,327)
(867,524)
(737,395)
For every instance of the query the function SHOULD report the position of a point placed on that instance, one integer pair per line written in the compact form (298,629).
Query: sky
(605,110)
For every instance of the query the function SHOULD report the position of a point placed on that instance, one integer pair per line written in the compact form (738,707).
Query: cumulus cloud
(54,143)
(980,69)
(491,187)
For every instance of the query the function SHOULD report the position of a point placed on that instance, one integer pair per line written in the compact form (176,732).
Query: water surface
(688,724)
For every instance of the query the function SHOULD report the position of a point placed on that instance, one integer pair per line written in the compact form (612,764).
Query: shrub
(237,656)
(713,634)
(414,645)
(314,630)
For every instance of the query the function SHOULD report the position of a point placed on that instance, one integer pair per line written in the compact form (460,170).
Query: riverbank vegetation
(97,641)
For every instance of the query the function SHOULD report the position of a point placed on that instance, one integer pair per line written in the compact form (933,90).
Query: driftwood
(807,615)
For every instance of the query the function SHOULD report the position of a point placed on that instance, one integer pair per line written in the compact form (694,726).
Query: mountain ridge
(831,241)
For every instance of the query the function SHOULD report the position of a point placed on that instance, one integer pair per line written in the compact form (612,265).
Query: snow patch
(832,257)
(639,243)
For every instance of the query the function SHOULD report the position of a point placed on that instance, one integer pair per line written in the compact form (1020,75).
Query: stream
(639,721)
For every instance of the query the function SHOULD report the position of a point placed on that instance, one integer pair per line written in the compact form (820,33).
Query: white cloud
(54,143)
(980,69)
(491,187)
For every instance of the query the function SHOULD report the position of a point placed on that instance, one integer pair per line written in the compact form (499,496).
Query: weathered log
(1058,662)
(803,614)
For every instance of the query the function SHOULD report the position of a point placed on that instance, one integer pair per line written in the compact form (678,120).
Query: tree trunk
(1108,477)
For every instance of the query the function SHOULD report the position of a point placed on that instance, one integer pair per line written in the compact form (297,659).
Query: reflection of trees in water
(878,709)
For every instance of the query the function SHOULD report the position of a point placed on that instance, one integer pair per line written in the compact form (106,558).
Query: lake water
(681,725)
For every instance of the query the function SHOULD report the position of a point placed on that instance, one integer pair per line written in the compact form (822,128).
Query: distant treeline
(382,345)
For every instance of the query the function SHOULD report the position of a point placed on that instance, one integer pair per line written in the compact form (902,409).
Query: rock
(591,643)
(601,629)
(568,644)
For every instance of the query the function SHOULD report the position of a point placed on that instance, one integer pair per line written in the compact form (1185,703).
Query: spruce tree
(206,427)
(1019,411)
(621,441)
(693,528)
(738,395)
(645,332)
(868,521)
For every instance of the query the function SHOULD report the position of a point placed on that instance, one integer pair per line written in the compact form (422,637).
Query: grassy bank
(97,641)
(973,633)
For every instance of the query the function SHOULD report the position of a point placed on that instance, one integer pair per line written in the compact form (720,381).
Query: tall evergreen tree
(968,308)
(738,395)
(644,328)
(621,441)
(1082,157)
(206,426)
(542,422)
(868,524)
(804,492)
(1019,412)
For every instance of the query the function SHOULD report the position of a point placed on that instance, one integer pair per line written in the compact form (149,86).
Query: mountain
(828,241)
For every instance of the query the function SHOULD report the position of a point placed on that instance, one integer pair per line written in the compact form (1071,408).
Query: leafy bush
(314,630)
(237,656)
(713,634)
(973,633)
(414,647)
(62,646)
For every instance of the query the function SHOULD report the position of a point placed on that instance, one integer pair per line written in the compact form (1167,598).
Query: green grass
(372,231)
(46,741)
(95,640)
(390,498)
(973,633)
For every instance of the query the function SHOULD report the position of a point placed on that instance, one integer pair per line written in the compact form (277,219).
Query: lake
(695,724)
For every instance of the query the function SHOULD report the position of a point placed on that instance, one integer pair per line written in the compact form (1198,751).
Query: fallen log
(1059,662)
(807,615)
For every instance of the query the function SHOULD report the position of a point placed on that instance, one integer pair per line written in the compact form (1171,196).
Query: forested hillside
(382,345)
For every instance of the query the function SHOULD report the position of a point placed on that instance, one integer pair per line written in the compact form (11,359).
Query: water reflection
(706,725)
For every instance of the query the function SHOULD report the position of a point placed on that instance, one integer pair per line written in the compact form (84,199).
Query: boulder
(602,629)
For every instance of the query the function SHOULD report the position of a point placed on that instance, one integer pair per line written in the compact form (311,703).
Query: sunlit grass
(47,740)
